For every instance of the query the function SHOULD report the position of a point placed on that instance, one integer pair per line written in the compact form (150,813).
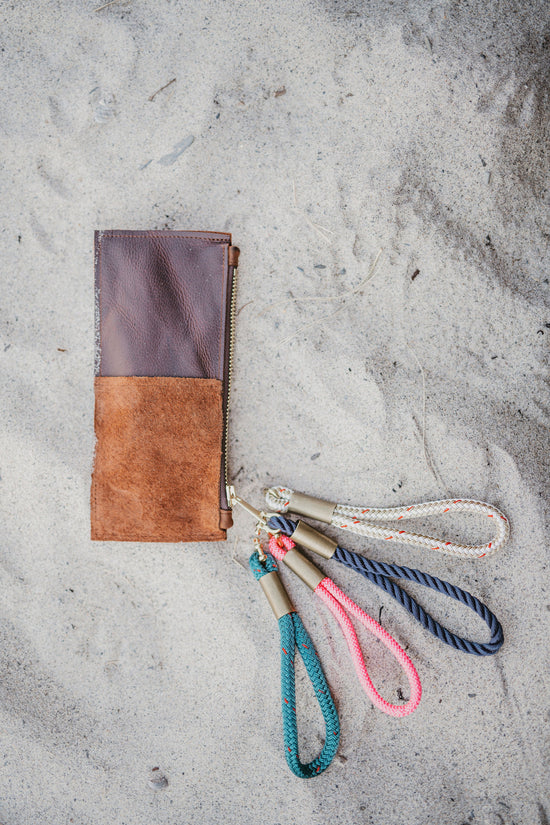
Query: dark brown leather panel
(157,460)
(161,303)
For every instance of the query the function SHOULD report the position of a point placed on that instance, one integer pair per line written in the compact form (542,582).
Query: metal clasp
(260,516)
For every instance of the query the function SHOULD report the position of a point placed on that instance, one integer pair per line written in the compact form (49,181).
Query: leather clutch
(164,318)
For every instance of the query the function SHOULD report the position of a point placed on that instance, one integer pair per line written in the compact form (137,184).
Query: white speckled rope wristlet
(365,520)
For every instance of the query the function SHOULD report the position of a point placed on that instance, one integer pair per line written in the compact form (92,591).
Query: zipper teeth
(230,371)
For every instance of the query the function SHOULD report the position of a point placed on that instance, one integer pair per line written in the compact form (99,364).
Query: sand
(318,133)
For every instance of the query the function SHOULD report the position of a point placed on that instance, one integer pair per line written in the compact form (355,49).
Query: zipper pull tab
(233,256)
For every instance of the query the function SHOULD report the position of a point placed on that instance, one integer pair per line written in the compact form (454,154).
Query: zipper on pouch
(226,519)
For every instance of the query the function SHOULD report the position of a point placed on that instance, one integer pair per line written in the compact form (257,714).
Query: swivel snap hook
(261,519)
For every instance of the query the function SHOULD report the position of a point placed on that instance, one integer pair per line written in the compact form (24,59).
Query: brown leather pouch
(164,315)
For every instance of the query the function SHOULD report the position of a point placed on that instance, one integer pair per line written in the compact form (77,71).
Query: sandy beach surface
(139,683)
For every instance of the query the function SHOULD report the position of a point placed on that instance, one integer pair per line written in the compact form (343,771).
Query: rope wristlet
(381,574)
(365,520)
(282,548)
(294,637)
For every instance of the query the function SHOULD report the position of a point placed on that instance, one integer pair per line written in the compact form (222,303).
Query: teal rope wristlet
(294,636)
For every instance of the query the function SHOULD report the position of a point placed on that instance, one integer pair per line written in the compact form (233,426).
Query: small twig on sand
(311,324)
(420,367)
(342,297)
(104,6)
(315,226)
(243,306)
(162,88)
(234,556)
(427,455)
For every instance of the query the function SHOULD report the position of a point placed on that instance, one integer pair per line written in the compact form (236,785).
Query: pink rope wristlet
(338,603)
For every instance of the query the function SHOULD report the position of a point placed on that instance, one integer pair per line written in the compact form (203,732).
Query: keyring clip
(258,544)
(261,517)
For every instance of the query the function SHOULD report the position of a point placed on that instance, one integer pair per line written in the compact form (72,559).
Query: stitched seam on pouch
(173,233)
(221,338)
(94,480)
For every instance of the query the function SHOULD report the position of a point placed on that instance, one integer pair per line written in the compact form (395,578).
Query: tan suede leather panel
(157,462)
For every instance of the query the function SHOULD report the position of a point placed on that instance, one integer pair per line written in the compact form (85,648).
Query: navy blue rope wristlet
(381,574)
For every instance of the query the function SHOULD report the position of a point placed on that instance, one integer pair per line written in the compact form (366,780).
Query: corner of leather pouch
(157,459)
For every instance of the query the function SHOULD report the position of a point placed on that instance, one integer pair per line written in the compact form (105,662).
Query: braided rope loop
(381,574)
(340,606)
(294,637)
(365,521)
